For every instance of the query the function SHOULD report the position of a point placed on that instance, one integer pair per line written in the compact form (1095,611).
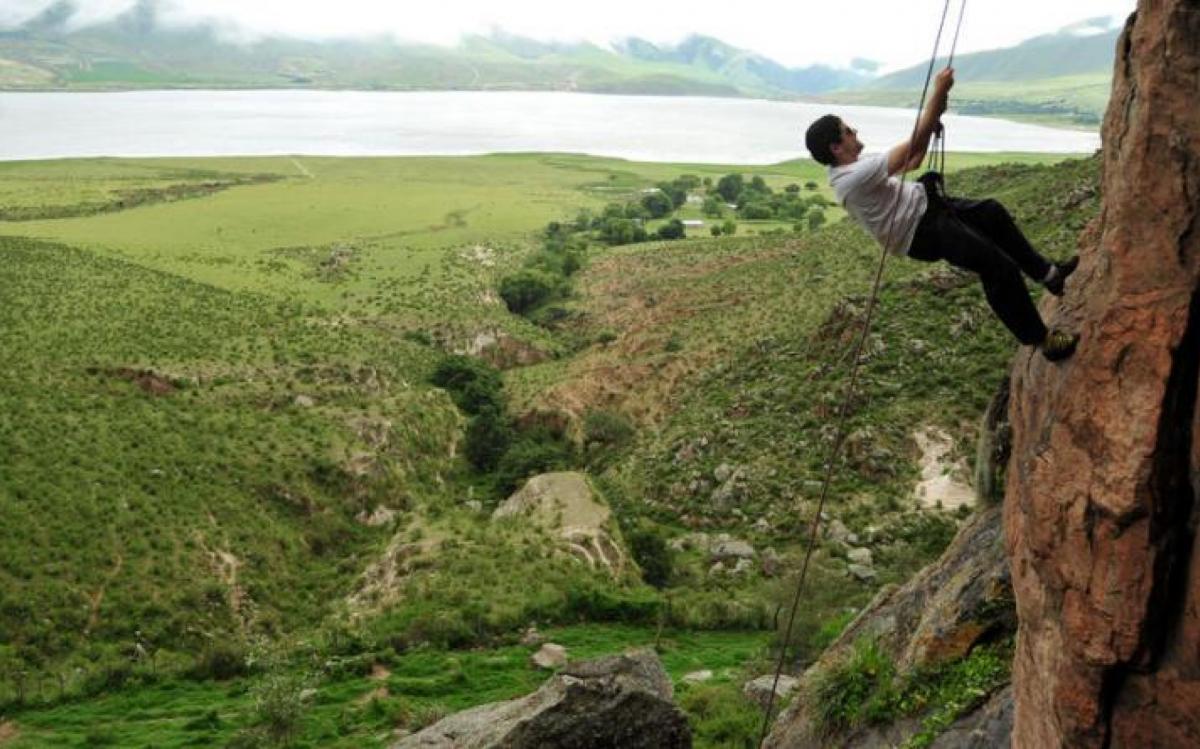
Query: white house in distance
(692,223)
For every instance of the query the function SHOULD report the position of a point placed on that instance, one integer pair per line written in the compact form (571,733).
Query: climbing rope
(937,154)
(844,410)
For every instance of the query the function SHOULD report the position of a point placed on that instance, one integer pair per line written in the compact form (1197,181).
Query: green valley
(230,487)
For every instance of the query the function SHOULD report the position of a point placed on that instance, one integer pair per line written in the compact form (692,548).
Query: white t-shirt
(868,194)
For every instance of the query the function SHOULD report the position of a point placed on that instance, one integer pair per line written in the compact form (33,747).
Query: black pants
(981,236)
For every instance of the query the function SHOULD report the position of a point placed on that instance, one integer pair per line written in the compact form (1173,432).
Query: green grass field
(215,368)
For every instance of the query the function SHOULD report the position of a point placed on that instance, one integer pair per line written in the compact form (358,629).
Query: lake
(367,123)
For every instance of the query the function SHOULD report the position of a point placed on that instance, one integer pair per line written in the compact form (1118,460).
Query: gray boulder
(860,556)
(731,549)
(549,656)
(985,728)
(861,572)
(758,690)
(565,504)
(615,702)
(961,600)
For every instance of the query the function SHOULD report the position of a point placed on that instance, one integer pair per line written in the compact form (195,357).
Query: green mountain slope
(1061,78)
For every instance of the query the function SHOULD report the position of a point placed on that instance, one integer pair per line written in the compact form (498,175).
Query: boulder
(615,702)
(564,504)
(758,690)
(860,556)
(988,727)
(730,549)
(861,573)
(952,605)
(550,656)
(836,530)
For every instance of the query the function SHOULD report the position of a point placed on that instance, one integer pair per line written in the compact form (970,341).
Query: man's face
(849,147)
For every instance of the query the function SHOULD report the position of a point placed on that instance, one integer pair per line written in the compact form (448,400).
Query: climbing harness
(844,410)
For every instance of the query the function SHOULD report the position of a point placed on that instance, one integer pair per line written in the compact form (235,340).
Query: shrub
(673,229)
(607,427)
(859,689)
(526,289)
(621,231)
(221,661)
(418,336)
(279,704)
(652,554)
(473,384)
(657,204)
(721,715)
(756,211)
(816,219)
(488,438)
(534,452)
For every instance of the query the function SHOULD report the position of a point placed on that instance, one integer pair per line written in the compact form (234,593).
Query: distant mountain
(1059,78)
(1085,48)
(747,68)
(135,50)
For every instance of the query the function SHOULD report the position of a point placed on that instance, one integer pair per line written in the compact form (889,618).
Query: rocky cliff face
(1100,510)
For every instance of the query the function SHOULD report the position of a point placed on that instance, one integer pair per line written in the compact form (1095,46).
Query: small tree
(713,207)
(756,210)
(657,204)
(474,385)
(730,186)
(729,227)
(816,218)
(488,437)
(653,555)
(673,229)
(526,289)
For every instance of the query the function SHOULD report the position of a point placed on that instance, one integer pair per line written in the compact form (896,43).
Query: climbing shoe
(1061,271)
(1059,345)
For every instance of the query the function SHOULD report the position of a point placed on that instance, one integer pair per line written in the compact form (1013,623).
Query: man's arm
(909,154)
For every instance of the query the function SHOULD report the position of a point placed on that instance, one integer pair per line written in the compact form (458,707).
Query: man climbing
(918,220)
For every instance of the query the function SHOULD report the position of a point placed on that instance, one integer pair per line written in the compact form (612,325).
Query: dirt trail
(8,731)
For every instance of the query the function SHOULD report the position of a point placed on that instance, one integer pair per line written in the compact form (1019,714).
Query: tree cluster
(756,200)
(495,444)
(546,275)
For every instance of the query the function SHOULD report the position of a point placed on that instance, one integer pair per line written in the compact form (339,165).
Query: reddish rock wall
(1101,509)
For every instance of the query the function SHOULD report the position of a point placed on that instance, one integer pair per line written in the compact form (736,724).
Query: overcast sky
(795,32)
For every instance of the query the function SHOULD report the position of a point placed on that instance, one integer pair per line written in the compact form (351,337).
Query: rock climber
(917,219)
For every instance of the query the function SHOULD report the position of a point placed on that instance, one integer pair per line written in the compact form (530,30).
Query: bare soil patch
(148,380)
(8,731)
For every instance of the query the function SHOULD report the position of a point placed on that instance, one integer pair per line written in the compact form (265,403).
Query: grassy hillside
(219,432)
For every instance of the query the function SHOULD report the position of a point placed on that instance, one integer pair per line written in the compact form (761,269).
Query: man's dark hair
(821,135)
